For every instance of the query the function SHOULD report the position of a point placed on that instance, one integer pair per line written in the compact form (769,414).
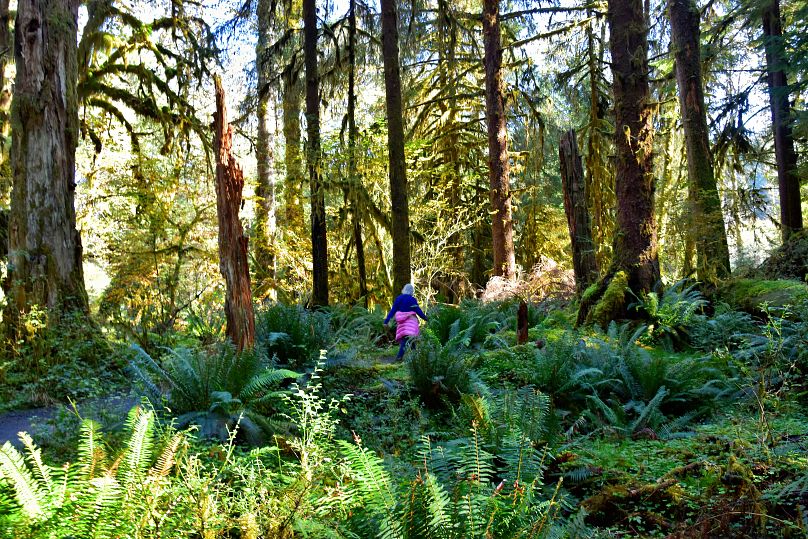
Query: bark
(293,182)
(238,306)
(787,175)
(449,146)
(352,172)
(5,104)
(265,187)
(584,263)
(707,230)
(502,220)
(395,144)
(635,258)
(319,246)
(522,323)
(636,243)
(45,252)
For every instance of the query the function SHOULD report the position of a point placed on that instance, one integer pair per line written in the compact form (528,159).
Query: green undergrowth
(756,295)
(719,479)
(581,432)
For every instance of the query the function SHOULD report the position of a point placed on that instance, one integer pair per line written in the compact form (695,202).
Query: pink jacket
(406,325)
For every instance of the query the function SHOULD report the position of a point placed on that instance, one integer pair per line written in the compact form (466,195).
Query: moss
(751,295)
(789,261)
(612,301)
(590,291)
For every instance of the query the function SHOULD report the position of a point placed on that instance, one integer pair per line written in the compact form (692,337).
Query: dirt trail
(16,421)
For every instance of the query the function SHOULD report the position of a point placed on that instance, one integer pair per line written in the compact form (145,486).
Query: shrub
(101,495)
(439,372)
(292,333)
(446,321)
(214,389)
(725,330)
(672,315)
(459,490)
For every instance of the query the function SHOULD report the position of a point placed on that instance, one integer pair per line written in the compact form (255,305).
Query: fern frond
(649,409)
(91,452)
(138,452)
(27,490)
(266,379)
(41,472)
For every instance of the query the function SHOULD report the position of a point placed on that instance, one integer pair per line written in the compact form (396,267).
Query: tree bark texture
(319,245)
(295,176)
(45,252)
(707,227)
(352,172)
(265,186)
(787,177)
(573,183)
(498,165)
(238,307)
(6,43)
(395,145)
(522,323)
(636,241)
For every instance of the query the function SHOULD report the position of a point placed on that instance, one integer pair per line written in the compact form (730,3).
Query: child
(406,309)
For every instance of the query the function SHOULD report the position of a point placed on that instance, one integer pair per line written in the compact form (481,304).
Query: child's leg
(402,346)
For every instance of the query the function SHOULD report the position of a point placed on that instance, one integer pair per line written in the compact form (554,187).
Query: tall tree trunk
(636,244)
(786,155)
(572,180)
(635,262)
(319,245)
(352,172)
(293,182)
(498,166)
(265,188)
(599,176)
(402,272)
(44,246)
(5,105)
(238,306)
(707,228)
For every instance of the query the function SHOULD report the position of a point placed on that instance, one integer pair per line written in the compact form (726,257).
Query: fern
(27,490)
(217,389)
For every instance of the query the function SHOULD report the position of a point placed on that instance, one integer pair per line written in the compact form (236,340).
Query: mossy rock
(751,295)
(789,261)
(613,301)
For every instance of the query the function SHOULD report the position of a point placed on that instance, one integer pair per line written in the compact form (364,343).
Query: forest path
(15,421)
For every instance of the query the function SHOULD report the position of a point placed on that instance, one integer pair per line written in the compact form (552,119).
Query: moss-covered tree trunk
(584,263)
(402,271)
(787,176)
(45,252)
(498,165)
(635,264)
(233,264)
(319,244)
(265,184)
(5,104)
(707,230)
(293,158)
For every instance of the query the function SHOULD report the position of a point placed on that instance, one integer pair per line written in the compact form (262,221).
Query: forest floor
(43,421)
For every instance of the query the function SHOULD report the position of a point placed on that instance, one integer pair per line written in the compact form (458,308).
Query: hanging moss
(613,301)
(751,295)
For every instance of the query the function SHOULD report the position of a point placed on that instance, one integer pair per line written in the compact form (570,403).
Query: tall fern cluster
(458,490)
(292,334)
(214,388)
(121,495)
